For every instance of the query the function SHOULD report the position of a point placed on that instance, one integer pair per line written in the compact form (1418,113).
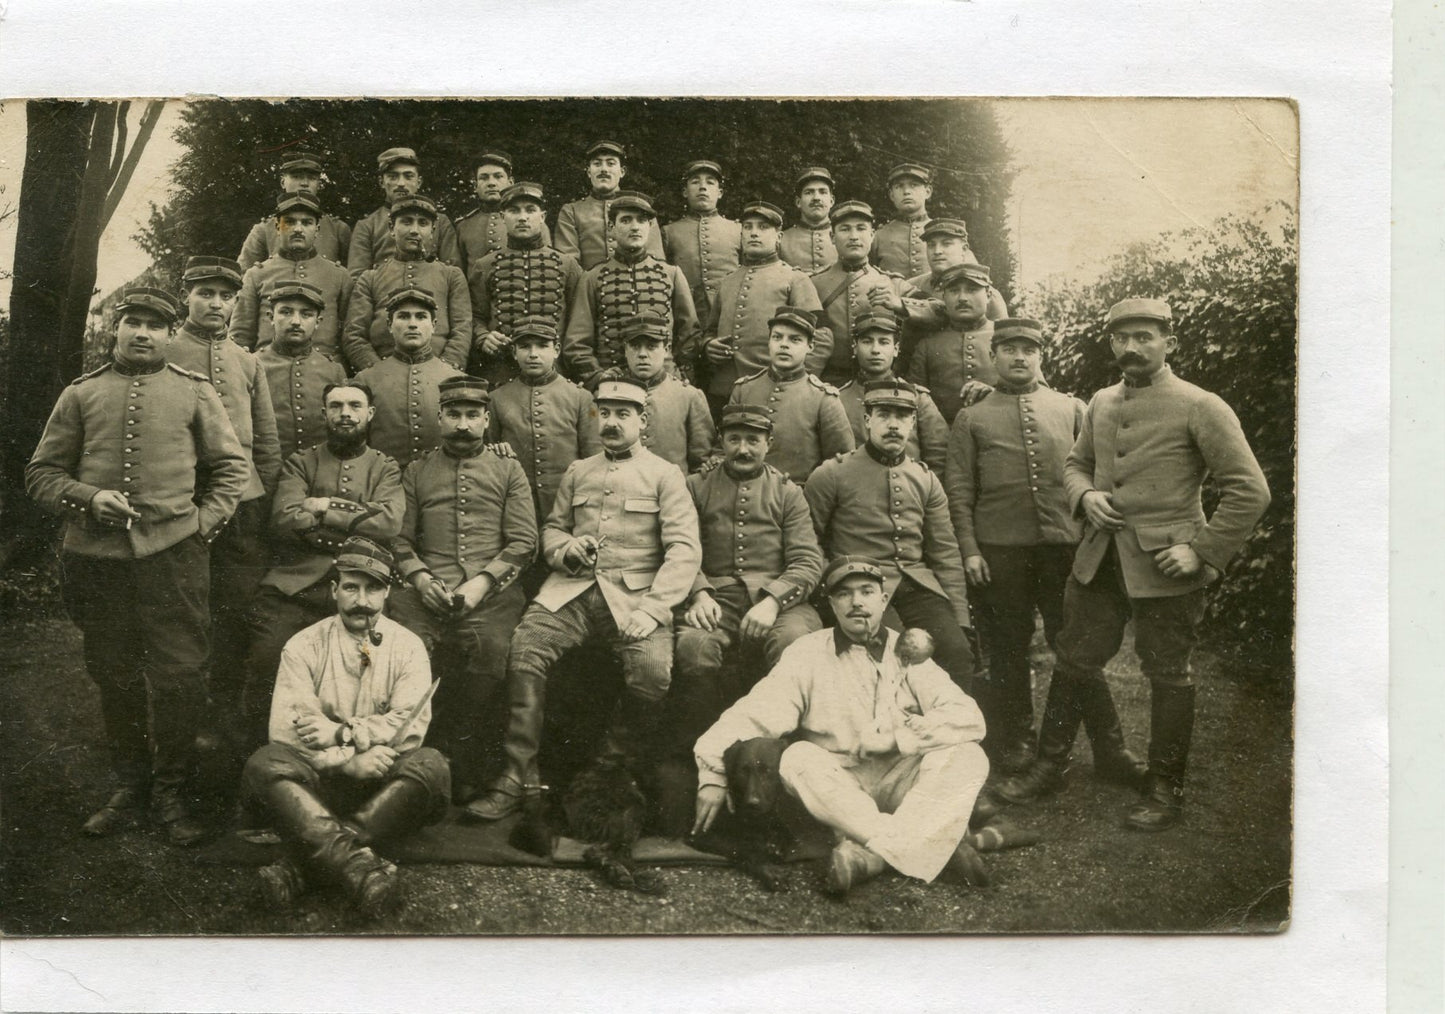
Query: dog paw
(648,882)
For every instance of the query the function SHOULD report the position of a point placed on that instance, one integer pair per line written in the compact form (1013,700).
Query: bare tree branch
(148,121)
(121,129)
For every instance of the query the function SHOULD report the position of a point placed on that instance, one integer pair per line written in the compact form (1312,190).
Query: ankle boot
(125,803)
(309,827)
(1062,715)
(399,806)
(528,697)
(1171,731)
(173,730)
(1113,761)
(282,884)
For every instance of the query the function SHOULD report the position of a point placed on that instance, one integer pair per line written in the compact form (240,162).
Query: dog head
(752,773)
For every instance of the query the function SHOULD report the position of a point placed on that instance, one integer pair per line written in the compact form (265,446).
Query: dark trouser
(146,632)
(913,605)
(275,619)
(342,794)
(238,562)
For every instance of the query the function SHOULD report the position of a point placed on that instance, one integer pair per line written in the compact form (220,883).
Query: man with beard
(584,227)
(875,349)
(367,339)
(880,503)
(899,247)
(735,340)
(338,488)
(238,555)
(372,241)
(632,281)
(622,544)
(679,425)
(1136,474)
(297,374)
(808,246)
(345,767)
(301,173)
(295,259)
(469,532)
(887,749)
(483,229)
(703,243)
(955,360)
(525,278)
(142,464)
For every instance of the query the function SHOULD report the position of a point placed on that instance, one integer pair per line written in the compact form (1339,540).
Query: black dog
(753,834)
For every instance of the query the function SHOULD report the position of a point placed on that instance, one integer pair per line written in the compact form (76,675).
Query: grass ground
(1226,869)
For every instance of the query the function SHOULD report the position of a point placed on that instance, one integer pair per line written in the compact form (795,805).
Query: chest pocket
(642,505)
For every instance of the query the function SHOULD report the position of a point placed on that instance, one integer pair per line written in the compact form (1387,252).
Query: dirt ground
(1226,869)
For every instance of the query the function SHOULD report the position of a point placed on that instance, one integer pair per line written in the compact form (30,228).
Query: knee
(272,763)
(647,666)
(799,760)
(700,650)
(793,624)
(429,768)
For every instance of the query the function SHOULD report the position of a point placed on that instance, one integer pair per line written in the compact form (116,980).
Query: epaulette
(892,274)
(93,373)
(189,374)
(921,389)
(821,385)
(844,387)
(751,376)
(776,471)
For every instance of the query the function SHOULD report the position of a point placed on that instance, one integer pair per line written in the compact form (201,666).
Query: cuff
(344,514)
(502,572)
(707,776)
(787,593)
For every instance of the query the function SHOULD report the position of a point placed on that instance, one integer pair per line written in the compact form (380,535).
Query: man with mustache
(297,374)
(345,767)
(1135,475)
(899,247)
(875,351)
(954,361)
(946,242)
(301,173)
(735,340)
(238,555)
(524,278)
(372,241)
(337,488)
(469,533)
(809,424)
(808,246)
(679,424)
(584,227)
(405,383)
(295,259)
(484,229)
(880,503)
(140,461)
(887,747)
(706,245)
(622,544)
(629,282)
(367,339)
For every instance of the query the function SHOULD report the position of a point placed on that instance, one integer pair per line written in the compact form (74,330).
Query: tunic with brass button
(844,296)
(894,513)
(708,248)
(513,282)
(809,423)
(144,435)
(809,248)
(371,242)
(406,424)
(333,241)
(1005,471)
(251,326)
(584,232)
(949,358)
(549,424)
(297,383)
(482,230)
(927,443)
(615,290)
(241,383)
(745,301)
(679,423)
(898,247)
(367,338)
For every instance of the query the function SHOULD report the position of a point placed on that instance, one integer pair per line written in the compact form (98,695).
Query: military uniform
(615,290)
(405,386)
(809,248)
(333,241)
(549,423)
(707,248)
(844,295)
(297,384)
(739,315)
(949,358)
(809,424)
(515,281)
(898,246)
(372,245)
(679,423)
(927,443)
(482,230)
(251,326)
(367,338)
(584,232)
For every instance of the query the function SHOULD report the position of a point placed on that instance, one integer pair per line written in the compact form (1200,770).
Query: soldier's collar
(304,255)
(611,195)
(1163,373)
(702,214)
(301,353)
(755,260)
(816,227)
(623,257)
(490,206)
(921,216)
(647,384)
(200,334)
(420,356)
(530,243)
(622,455)
(787,378)
(883,457)
(860,379)
(541,381)
(875,646)
(398,255)
(1004,387)
(858,265)
(127,370)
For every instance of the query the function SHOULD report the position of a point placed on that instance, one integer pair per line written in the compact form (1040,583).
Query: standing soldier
(584,227)
(899,247)
(140,460)
(372,242)
(367,339)
(238,556)
(946,241)
(1017,533)
(880,503)
(469,533)
(483,229)
(875,349)
(297,374)
(679,424)
(523,278)
(295,259)
(955,360)
(632,281)
(1148,551)
(300,174)
(808,246)
(735,340)
(703,243)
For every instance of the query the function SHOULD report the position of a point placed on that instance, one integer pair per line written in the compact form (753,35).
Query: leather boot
(173,729)
(1062,715)
(282,884)
(313,831)
(632,736)
(1113,761)
(528,697)
(1171,730)
(399,806)
(125,803)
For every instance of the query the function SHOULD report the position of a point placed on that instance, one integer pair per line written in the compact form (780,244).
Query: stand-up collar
(420,356)
(883,457)
(529,243)
(623,455)
(1161,374)
(875,646)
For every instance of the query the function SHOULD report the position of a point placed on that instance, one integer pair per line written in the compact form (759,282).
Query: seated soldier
(469,532)
(679,424)
(345,767)
(809,424)
(888,748)
(875,350)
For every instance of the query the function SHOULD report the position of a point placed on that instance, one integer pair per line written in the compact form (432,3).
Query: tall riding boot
(1113,761)
(309,826)
(528,696)
(1171,730)
(399,806)
(1062,715)
(632,737)
(1007,703)
(173,730)
(123,706)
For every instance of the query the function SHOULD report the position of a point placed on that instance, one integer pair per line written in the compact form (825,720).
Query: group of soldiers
(741,457)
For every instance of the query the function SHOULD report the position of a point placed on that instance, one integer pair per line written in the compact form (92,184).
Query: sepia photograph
(672,516)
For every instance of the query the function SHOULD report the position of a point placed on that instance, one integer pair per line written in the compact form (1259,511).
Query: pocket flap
(637,580)
(643,504)
(578,501)
(1153,538)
